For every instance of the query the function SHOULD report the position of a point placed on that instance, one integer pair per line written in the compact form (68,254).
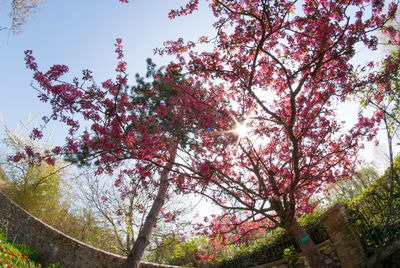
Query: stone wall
(326,249)
(342,249)
(51,244)
(343,237)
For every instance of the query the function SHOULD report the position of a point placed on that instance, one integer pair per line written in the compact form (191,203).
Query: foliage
(384,97)
(27,251)
(35,186)
(3,175)
(187,253)
(174,250)
(348,189)
(40,188)
(86,227)
(19,255)
(290,256)
(164,246)
(32,193)
(377,222)
(190,253)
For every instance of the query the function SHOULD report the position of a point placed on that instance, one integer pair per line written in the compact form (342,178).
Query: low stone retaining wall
(326,249)
(342,249)
(51,244)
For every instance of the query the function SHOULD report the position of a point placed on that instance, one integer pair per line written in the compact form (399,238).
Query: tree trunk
(143,238)
(314,258)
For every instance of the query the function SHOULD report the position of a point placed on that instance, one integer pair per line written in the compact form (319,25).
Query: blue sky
(81,35)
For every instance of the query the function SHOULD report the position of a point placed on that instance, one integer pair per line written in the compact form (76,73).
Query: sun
(242,130)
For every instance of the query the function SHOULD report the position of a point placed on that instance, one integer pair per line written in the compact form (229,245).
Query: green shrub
(374,214)
(188,253)
(27,251)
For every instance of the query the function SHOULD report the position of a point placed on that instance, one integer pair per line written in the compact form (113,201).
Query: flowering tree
(284,66)
(135,132)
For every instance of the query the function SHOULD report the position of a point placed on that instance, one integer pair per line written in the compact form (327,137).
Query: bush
(189,253)
(27,251)
(375,213)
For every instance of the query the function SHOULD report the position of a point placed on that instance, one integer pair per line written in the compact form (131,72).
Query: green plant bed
(19,255)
